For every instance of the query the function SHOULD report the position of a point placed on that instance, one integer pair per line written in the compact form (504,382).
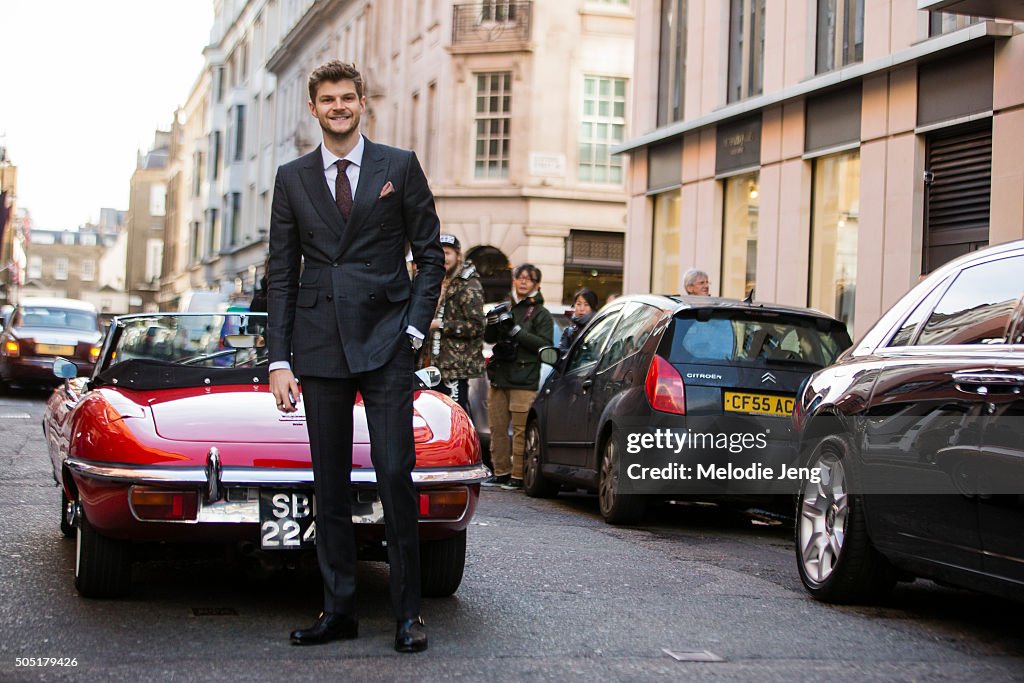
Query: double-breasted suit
(340,302)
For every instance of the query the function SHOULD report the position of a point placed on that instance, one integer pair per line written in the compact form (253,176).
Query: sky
(85,83)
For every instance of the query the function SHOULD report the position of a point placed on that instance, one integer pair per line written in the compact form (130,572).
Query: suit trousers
(387,396)
(504,406)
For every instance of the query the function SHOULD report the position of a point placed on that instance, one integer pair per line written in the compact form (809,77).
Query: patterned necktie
(343,190)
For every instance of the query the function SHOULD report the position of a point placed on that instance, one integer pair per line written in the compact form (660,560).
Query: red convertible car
(175,437)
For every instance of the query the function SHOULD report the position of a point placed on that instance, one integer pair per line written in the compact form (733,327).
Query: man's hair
(530,269)
(333,72)
(692,275)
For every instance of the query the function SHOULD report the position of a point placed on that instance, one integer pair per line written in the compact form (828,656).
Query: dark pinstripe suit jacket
(338,294)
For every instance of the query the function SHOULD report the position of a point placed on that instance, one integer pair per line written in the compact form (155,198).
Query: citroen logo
(768,377)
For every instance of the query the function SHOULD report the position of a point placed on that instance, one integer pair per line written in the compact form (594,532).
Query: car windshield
(202,341)
(62,318)
(767,338)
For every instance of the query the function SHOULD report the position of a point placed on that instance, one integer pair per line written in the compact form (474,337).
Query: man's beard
(453,271)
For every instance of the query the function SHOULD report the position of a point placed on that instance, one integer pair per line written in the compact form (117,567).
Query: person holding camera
(518,328)
(456,340)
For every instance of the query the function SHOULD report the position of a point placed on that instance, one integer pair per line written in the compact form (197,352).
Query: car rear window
(63,318)
(741,337)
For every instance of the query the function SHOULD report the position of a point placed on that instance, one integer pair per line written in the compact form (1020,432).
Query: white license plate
(287,520)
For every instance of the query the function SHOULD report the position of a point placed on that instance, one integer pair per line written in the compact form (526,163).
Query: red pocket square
(386,190)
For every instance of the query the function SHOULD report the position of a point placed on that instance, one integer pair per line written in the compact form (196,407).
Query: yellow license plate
(758,404)
(55,350)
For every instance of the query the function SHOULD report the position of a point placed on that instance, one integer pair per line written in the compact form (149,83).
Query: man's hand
(285,390)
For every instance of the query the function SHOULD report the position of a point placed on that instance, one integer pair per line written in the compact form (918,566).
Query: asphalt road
(550,593)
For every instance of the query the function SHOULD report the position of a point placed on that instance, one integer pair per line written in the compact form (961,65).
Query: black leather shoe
(328,627)
(411,635)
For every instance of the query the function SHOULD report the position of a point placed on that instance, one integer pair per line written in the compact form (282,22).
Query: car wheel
(102,565)
(616,508)
(534,483)
(835,557)
(66,527)
(441,565)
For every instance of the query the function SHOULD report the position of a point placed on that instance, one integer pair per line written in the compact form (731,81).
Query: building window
(834,228)
(154,259)
(498,10)
(840,34)
(60,269)
(493,116)
(235,208)
(947,22)
(594,260)
(603,125)
(88,270)
(746,49)
(35,267)
(196,253)
(197,173)
(239,140)
(215,154)
(739,236)
(87,239)
(67,238)
(157,199)
(672,62)
(666,276)
(212,232)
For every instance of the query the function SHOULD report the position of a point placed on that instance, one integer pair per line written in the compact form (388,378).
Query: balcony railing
(491,25)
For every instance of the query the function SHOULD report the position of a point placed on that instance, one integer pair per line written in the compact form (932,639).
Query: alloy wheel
(609,479)
(824,513)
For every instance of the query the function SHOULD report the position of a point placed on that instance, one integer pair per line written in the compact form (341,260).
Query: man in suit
(344,316)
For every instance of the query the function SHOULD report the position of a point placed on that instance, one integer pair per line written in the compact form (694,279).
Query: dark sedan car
(41,329)
(917,434)
(658,367)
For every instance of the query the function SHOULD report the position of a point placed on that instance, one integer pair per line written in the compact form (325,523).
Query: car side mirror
(549,355)
(429,377)
(64,368)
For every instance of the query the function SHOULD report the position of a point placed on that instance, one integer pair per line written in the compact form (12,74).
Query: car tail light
(11,348)
(444,503)
(161,504)
(94,353)
(664,387)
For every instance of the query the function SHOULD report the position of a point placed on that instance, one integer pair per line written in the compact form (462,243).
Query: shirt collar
(355,156)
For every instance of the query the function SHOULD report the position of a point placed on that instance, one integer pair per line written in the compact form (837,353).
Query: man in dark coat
(344,316)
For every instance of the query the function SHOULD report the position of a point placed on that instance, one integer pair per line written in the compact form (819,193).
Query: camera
(500,313)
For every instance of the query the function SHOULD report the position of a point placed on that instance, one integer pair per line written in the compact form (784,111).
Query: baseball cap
(451,240)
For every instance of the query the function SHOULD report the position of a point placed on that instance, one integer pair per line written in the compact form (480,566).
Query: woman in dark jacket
(584,307)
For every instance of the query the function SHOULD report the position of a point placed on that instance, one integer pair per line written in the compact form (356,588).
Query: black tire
(66,527)
(534,483)
(616,508)
(834,554)
(441,565)
(102,565)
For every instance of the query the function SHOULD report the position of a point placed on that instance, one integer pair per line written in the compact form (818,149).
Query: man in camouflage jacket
(455,344)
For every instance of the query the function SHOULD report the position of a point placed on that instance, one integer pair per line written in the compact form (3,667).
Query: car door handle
(587,383)
(979,382)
